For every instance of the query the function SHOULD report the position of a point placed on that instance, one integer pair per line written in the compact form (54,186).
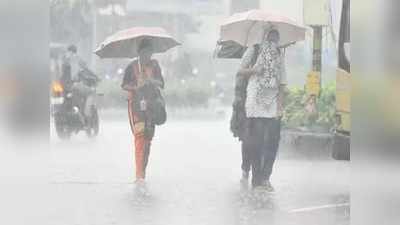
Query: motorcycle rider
(73,71)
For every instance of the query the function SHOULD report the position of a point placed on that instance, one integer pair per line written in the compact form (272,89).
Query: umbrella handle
(140,66)
(140,70)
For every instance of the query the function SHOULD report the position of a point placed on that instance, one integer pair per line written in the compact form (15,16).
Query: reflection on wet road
(193,178)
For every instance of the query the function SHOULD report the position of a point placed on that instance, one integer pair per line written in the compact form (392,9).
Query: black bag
(154,112)
(229,50)
(158,111)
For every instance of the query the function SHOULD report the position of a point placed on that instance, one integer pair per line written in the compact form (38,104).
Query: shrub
(295,115)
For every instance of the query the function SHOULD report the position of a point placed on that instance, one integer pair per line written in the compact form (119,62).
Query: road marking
(328,206)
(89,182)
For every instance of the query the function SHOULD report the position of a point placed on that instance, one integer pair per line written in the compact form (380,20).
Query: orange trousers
(142,152)
(142,145)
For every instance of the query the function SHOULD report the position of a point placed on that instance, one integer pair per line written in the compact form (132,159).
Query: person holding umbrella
(139,73)
(143,81)
(261,82)
(265,89)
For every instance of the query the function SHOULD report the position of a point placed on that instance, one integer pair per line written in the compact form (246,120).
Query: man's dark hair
(72,48)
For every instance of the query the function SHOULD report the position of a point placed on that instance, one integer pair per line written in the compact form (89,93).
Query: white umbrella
(124,43)
(247,28)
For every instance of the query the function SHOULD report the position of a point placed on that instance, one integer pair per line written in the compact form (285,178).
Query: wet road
(193,178)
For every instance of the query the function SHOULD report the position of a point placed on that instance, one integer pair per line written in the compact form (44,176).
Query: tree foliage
(70,20)
(295,115)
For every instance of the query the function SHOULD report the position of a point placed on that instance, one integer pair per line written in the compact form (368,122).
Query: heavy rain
(203,112)
(116,161)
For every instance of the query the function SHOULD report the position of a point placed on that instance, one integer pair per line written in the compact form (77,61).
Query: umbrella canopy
(125,43)
(247,28)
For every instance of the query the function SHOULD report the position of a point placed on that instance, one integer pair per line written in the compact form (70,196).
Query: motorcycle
(71,111)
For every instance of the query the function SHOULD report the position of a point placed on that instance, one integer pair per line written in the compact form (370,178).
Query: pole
(313,84)
(317,48)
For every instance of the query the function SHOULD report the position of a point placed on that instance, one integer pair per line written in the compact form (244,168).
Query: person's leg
(272,139)
(146,155)
(81,91)
(246,163)
(256,137)
(250,147)
(138,142)
(89,103)
(77,100)
(139,155)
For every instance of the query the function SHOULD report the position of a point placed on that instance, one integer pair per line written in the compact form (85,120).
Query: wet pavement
(193,178)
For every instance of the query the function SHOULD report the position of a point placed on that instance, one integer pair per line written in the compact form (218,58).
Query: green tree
(70,20)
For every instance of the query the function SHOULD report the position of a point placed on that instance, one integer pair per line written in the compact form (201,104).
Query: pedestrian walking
(139,73)
(264,94)
(239,120)
(143,81)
